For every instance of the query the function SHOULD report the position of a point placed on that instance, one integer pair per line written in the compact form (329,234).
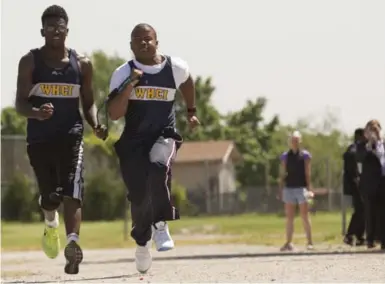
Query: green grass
(248,228)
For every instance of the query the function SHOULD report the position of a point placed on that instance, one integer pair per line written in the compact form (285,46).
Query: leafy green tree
(327,144)
(253,137)
(212,122)
(12,123)
(104,65)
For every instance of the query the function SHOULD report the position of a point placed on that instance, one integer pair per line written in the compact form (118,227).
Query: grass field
(248,229)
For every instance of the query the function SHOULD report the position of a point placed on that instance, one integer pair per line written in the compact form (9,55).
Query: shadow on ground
(243,255)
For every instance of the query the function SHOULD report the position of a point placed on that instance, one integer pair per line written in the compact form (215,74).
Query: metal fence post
(343,212)
(125,221)
(329,185)
(207,191)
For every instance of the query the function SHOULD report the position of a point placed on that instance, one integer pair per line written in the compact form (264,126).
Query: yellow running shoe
(51,242)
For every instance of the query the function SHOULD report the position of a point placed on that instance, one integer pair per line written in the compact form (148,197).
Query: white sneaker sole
(165,247)
(143,271)
(143,260)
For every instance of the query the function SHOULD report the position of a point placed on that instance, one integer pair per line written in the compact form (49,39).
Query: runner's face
(55,31)
(144,43)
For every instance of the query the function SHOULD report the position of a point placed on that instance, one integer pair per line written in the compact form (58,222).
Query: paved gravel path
(210,263)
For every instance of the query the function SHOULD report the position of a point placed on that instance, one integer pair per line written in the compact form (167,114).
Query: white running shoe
(143,258)
(161,236)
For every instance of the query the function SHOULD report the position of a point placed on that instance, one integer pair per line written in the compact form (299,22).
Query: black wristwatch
(192,110)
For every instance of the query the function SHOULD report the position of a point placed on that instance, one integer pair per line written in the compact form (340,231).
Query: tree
(212,122)
(327,144)
(253,137)
(104,66)
(12,123)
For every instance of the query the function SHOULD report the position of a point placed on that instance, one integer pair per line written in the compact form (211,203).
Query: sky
(307,57)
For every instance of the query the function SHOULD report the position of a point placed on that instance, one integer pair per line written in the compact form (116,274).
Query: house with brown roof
(207,169)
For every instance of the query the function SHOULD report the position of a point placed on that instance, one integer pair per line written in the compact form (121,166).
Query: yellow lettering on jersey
(46,89)
(57,90)
(140,92)
(151,93)
(161,94)
(67,90)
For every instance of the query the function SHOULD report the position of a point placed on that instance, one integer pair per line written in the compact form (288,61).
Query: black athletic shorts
(58,167)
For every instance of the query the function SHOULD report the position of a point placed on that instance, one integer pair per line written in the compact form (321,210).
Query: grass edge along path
(253,229)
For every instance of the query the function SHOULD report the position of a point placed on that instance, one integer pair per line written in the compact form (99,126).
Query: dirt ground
(209,263)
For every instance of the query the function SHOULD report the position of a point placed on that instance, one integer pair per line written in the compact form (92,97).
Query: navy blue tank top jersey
(61,88)
(295,168)
(151,106)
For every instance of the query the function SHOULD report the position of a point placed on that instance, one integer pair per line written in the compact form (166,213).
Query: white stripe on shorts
(78,179)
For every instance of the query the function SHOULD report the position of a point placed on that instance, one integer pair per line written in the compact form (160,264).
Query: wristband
(192,110)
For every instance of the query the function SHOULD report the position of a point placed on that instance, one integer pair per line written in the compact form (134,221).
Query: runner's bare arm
(117,105)
(24,86)
(121,89)
(86,92)
(188,91)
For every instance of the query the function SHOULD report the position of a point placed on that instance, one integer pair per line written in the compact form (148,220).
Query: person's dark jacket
(354,154)
(370,187)
(371,174)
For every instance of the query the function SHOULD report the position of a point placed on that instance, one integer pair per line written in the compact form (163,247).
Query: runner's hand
(45,111)
(135,76)
(101,132)
(193,121)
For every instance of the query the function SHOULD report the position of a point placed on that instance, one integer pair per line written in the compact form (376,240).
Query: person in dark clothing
(373,184)
(353,158)
(51,81)
(143,90)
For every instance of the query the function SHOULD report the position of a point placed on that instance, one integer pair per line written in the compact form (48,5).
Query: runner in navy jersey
(143,90)
(51,79)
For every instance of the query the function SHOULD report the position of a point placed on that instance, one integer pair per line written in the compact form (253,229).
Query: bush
(104,196)
(180,200)
(178,195)
(18,198)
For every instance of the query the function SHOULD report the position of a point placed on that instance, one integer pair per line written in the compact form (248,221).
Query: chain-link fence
(260,198)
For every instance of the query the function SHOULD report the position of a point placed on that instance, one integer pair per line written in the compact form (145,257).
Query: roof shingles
(203,151)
